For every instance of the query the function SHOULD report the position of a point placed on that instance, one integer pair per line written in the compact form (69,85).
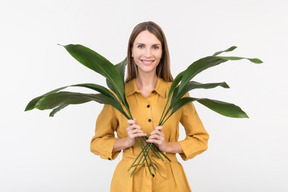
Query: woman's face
(146,52)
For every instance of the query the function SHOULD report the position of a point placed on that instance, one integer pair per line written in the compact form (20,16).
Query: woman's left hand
(158,138)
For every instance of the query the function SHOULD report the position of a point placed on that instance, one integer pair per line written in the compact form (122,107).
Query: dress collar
(161,87)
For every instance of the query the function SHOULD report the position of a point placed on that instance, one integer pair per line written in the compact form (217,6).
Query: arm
(103,141)
(196,136)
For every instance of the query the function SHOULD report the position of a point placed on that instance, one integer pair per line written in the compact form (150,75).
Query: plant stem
(137,158)
(144,154)
(136,165)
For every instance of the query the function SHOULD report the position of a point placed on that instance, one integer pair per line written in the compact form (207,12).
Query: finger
(151,140)
(136,131)
(155,132)
(159,128)
(133,126)
(131,122)
(155,137)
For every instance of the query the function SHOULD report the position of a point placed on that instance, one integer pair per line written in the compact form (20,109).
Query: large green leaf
(253,60)
(33,102)
(62,99)
(207,62)
(223,108)
(227,50)
(99,64)
(185,76)
(197,67)
(174,104)
(171,91)
(195,85)
(57,109)
(121,68)
(95,87)
(175,83)
(183,101)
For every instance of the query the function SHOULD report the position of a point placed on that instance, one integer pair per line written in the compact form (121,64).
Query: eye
(140,46)
(155,47)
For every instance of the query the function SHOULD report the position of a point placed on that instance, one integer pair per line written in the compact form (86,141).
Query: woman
(146,89)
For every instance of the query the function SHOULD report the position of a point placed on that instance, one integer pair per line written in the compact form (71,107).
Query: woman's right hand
(134,131)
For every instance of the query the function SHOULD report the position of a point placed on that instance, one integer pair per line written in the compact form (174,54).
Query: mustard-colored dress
(169,176)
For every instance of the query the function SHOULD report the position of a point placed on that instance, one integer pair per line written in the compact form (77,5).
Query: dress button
(149,120)
(148,106)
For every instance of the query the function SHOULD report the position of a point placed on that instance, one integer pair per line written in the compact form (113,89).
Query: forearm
(173,147)
(121,143)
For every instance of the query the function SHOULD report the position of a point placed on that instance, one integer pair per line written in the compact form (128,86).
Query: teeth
(144,61)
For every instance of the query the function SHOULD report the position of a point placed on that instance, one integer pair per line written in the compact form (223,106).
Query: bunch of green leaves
(114,74)
(183,84)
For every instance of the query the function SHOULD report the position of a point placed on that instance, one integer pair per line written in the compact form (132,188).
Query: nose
(148,52)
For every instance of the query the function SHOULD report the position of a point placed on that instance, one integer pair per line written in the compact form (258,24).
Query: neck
(146,82)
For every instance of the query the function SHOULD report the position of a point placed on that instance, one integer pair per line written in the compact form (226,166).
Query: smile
(147,61)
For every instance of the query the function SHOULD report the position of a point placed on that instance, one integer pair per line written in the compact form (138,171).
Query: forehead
(147,38)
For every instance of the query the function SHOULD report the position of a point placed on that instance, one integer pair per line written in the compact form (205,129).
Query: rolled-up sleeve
(103,142)
(196,140)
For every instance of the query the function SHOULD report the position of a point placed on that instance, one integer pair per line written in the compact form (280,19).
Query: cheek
(134,53)
(159,53)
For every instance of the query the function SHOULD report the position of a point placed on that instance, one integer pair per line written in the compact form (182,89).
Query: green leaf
(175,83)
(227,50)
(121,68)
(62,99)
(171,91)
(195,85)
(223,108)
(57,109)
(99,64)
(197,67)
(96,87)
(33,102)
(56,99)
(183,101)
(253,60)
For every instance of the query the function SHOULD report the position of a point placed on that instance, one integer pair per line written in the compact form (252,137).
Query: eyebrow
(145,44)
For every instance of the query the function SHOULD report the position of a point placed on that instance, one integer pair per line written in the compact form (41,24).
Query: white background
(43,154)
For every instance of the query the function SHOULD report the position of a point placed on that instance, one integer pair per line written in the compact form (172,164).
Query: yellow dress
(169,176)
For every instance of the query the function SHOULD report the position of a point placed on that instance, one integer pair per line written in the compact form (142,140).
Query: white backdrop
(39,153)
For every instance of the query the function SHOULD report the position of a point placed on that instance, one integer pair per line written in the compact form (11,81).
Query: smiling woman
(148,147)
(147,85)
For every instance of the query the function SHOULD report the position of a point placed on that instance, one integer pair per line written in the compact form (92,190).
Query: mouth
(147,62)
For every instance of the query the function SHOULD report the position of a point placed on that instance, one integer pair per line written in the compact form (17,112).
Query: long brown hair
(163,68)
